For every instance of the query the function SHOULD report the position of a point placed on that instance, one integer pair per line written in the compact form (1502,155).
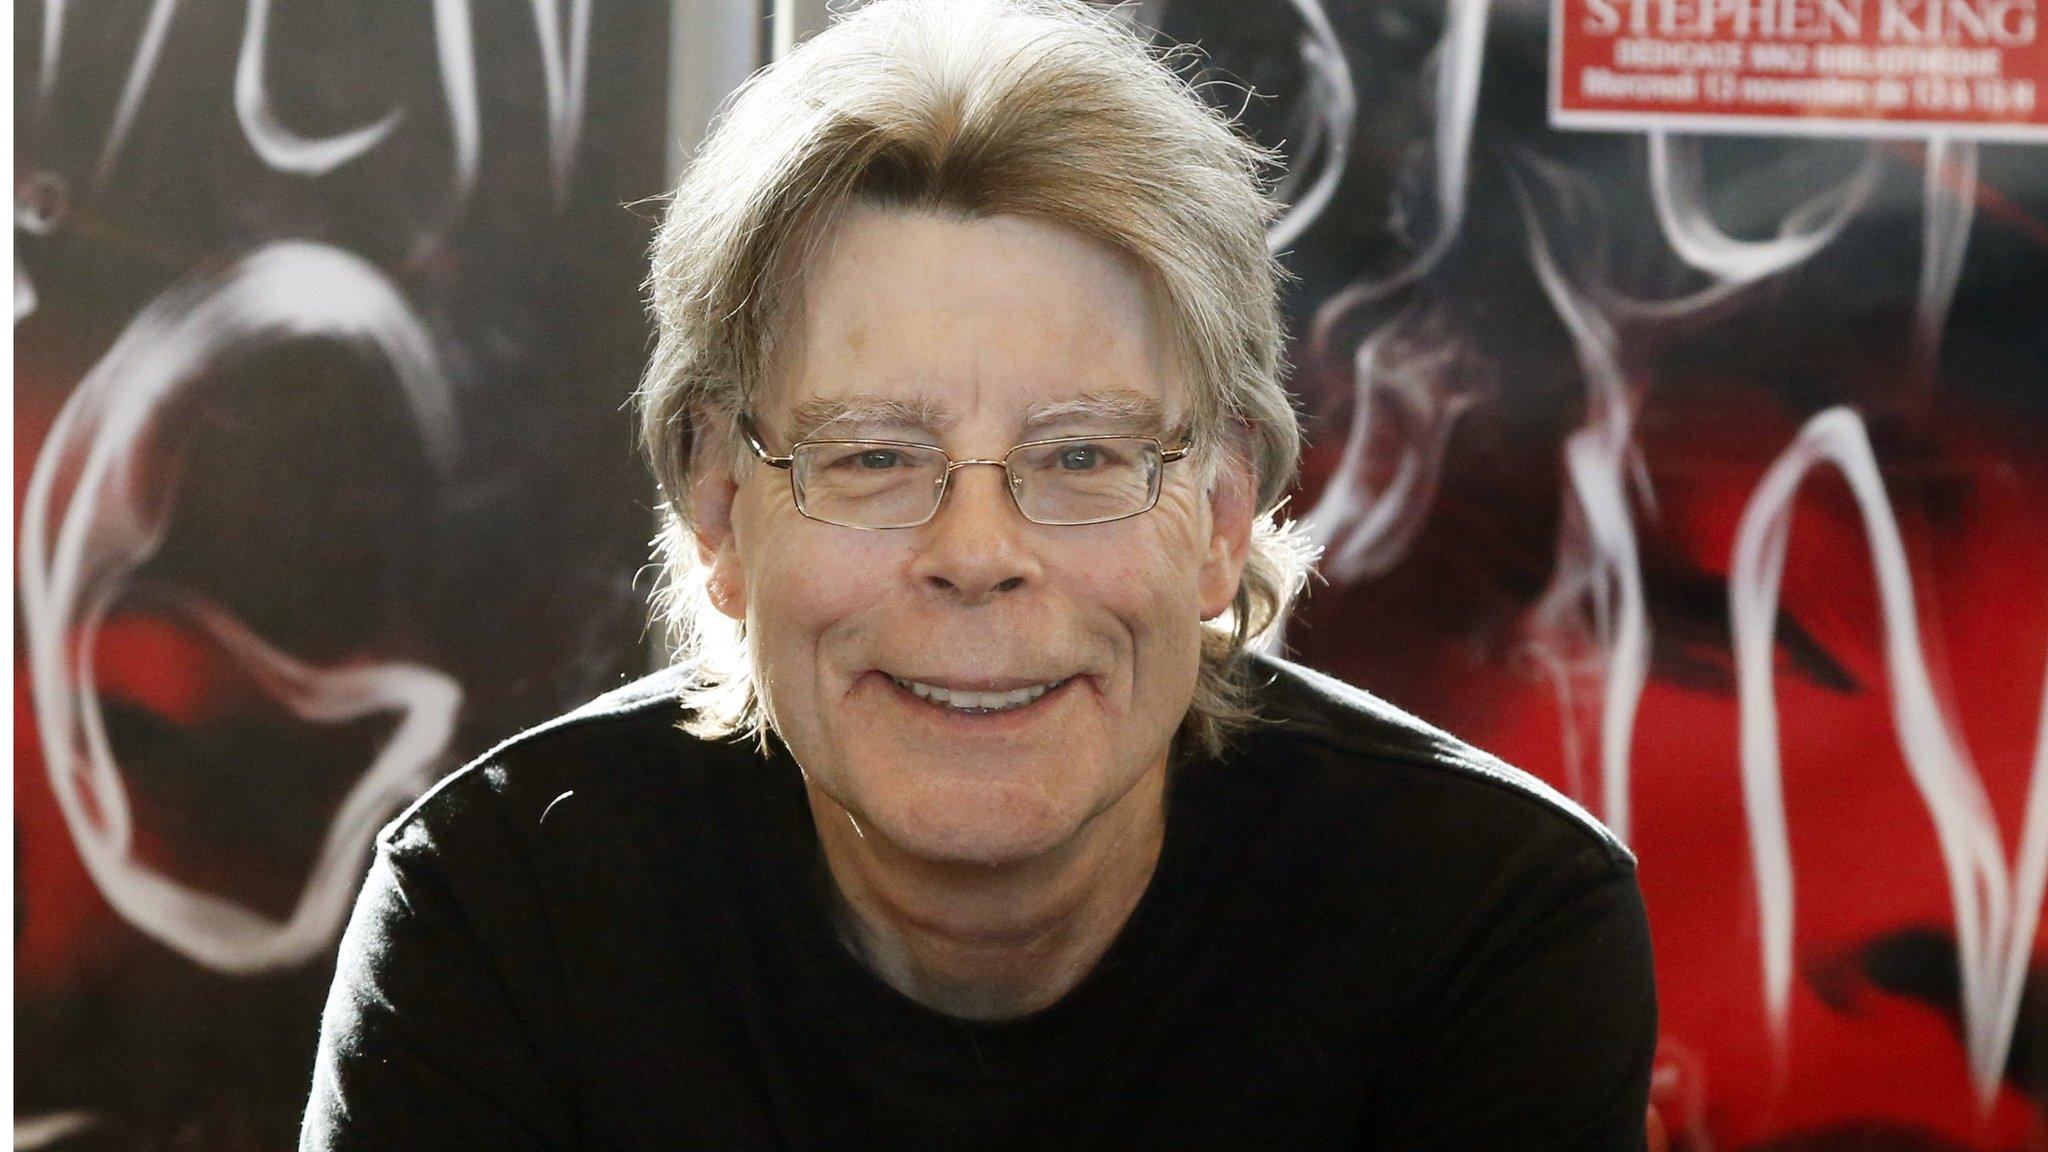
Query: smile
(976,703)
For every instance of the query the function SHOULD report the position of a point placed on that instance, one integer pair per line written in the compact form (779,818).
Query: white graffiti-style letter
(1457,59)
(1331,106)
(455,47)
(1678,192)
(1412,366)
(53,48)
(564,74)
(1949,207)
(92,516)
(1367,526)
(279,146)
(1996,909)
(1591,625)
(137,84)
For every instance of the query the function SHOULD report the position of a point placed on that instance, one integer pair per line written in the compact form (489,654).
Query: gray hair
(1047,109)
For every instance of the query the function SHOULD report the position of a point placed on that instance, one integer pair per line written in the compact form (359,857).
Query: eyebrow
(1108,410)
(1116,409)
(838,414)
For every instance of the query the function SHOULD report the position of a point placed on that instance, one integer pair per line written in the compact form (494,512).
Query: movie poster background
(1708,479)
(323,482)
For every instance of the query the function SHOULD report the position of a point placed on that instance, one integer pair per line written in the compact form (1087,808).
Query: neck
(992,942)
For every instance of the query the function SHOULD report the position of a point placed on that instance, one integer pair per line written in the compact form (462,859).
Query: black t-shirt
(607,934)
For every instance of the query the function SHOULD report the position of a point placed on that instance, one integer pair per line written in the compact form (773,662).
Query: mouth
(979,703)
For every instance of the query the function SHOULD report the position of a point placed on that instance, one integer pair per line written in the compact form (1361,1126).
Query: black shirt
(1362,933)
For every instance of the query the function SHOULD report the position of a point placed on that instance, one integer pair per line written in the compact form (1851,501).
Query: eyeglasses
(897,484)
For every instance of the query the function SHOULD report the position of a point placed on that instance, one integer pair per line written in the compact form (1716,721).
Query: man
(968,418)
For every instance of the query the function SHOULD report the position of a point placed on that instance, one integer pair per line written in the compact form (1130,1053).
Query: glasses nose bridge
(952,466)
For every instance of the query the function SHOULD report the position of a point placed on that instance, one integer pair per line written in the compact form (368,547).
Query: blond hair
(1047,109)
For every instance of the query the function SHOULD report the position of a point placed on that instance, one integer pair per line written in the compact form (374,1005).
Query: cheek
(1174,600)
(807,590)
(783,554)
(1149,585)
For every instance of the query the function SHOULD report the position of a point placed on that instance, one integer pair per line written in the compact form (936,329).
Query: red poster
(1975,68)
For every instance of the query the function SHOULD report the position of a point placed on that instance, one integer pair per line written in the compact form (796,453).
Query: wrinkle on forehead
(885,278)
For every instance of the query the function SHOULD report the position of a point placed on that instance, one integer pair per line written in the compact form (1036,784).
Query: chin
(973,824)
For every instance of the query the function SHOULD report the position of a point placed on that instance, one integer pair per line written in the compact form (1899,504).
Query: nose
(978,546)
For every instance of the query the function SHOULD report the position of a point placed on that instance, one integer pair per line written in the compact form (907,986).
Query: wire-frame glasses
(877,484)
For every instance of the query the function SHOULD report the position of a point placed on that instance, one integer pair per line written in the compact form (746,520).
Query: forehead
(984,321)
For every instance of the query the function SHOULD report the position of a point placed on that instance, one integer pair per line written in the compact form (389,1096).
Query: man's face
(965,334)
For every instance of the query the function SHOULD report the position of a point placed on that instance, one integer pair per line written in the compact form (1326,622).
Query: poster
(1705,475)
(325,317)
(1699,467)
(1900,68)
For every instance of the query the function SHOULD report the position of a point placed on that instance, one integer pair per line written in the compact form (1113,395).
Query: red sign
(1976,68)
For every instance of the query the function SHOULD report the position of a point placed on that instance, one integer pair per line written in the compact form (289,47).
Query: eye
(1080,457)
(877,459)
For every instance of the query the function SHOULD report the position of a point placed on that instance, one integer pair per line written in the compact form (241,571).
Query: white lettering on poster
(1804,66)
(1999,23)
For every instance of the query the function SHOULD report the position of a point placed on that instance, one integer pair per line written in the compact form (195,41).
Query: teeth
(977,701)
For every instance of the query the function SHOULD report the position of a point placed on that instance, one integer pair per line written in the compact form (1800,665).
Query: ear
(1230,535)
(712,494)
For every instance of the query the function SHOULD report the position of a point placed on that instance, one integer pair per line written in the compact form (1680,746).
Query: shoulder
(628,734)
(1367,745)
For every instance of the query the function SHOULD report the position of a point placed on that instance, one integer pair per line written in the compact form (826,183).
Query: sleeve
(421,1045)
(1545,1039)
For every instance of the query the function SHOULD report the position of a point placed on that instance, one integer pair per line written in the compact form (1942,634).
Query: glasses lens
(868,485)
(1077,481)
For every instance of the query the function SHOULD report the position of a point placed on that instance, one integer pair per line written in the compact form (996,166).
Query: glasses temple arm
(761,450)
